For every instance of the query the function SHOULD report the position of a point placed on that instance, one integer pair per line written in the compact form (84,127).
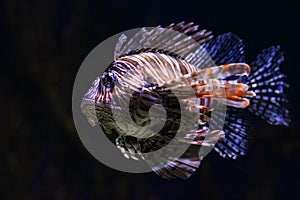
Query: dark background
(43,44)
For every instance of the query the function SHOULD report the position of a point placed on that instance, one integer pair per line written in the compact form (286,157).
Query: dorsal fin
(226,48)
(201,36)
(176,40)
(153,50)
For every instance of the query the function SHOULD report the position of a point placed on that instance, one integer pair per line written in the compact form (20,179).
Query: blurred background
(43,44)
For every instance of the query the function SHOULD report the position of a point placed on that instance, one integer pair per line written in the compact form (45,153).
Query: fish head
(96,102)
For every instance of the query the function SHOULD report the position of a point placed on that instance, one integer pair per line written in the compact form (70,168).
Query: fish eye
(108,79)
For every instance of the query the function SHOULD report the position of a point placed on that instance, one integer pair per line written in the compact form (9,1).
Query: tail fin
(266,80)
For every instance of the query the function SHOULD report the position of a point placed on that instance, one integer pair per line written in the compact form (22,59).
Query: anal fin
(235,142)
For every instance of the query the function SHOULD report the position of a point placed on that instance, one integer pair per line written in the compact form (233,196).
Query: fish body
(140,78)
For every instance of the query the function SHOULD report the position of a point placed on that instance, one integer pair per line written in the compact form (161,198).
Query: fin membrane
(226,48)
(177,40)
(269,84)
(182,167)
(235,127)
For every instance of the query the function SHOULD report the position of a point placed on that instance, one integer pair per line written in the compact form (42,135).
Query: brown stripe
(182,68)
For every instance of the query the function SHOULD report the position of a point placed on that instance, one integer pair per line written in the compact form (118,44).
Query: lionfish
(161,73)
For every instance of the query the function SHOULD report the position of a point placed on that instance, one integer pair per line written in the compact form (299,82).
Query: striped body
(181,85)
(145,79)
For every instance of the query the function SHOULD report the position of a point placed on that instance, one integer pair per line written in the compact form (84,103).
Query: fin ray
(226,48)
(269,84)
(236,140)
(177,40)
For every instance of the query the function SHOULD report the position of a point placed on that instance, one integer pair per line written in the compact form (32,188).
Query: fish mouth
(89,109)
